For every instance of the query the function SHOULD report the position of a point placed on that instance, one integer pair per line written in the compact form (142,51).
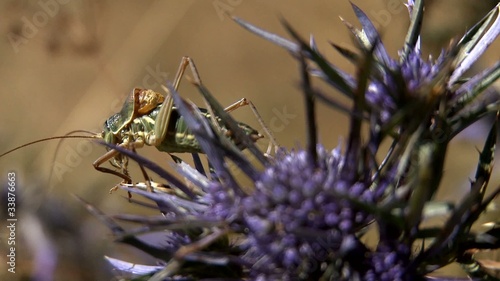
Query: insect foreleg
(112,156)
(109,156)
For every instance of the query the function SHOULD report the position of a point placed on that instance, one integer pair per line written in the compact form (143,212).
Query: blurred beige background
(68,65)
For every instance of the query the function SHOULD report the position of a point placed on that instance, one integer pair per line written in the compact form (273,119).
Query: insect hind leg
(272,139)
(240,103)
(187,61)
(246,102)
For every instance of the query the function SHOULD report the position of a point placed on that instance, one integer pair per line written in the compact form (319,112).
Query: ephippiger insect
(149,118)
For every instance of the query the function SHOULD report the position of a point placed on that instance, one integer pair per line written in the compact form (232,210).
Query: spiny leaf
(152,166)
(475,42)
(276,39)
(207,138)
(336,77)
(233,127)
(486,157)
(413,35)
(351,56)
(123,236)
(470,90)
(132,268)
(372,34)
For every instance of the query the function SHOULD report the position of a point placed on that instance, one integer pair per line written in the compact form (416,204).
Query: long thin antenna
(52,138)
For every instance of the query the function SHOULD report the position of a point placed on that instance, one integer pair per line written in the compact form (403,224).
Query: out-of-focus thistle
(307,211)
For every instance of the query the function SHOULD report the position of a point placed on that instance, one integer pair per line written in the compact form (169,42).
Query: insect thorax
(178,139)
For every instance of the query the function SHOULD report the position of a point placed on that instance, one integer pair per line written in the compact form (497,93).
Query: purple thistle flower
(392,84)
(306,212)
(297,215)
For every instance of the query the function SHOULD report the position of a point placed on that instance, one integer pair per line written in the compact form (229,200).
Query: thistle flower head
(296,217)
(307,211)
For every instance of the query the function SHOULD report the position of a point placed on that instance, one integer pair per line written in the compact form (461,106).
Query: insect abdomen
(178,138)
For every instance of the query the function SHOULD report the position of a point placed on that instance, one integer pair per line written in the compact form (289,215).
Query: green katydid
(149,118)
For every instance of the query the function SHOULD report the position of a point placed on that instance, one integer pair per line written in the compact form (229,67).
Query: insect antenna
(91,135)
(67,136)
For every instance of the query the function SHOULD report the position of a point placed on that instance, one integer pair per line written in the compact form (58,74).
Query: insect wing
(118,121)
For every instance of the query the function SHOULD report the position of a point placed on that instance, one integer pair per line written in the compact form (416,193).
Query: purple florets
(390,262)
(299,214)
(417,72)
